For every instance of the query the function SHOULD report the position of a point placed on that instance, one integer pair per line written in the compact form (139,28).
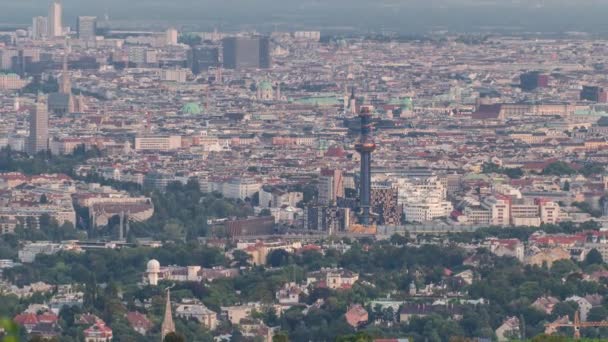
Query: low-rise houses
(356,316)
(506,247)
(334,278)
(508,330)
(259,250)
(545,304)
(584,306)
(155,273)
(235,314)
(199,312)
(139,322)
(409,310)
(289,294)
(44,325)
(98,332)
(547,256)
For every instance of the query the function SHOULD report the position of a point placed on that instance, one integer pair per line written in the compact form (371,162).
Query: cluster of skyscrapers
(51,26)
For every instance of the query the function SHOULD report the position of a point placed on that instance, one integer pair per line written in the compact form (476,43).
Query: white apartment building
(240,188)
(549,211)
(158,143)
(499,210)
(140,55)
(424,199)
(525,215)
(274,198)
(477,215)
(173,75)
(428,210)
(40,27)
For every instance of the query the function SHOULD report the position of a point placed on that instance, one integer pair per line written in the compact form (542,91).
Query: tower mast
(365,147)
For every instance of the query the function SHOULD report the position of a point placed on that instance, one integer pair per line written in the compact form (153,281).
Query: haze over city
(401,16)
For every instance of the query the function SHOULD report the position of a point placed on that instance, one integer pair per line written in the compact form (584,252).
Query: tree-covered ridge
(386,268)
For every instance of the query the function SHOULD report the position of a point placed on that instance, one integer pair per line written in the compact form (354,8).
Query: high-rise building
(40,27)
(201,58)
(242,53)
(331,186)
(532,80)
(171,36)
(39,127)
(86,27)
(330,219)
(385,204)
(594,93)
(365,147)
(54,19)
(142,55)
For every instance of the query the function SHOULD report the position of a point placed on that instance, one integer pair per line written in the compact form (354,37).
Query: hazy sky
(393,15)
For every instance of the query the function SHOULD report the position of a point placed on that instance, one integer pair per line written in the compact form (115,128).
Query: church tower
(168,325)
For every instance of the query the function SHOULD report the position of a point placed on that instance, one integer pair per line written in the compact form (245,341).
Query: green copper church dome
(265,86)
(406,103)
(191,108)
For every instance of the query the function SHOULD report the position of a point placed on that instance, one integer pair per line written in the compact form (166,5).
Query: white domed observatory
(153,270)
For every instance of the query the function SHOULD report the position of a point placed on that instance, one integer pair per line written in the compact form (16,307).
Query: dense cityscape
(175,185)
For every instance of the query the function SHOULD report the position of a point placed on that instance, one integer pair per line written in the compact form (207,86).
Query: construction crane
(551,328)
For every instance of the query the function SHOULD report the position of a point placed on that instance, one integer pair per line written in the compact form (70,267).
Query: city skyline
(265,171)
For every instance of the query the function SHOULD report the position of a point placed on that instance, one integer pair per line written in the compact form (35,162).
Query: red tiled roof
(336,152)
(26,319)
(48,317)
(137,319)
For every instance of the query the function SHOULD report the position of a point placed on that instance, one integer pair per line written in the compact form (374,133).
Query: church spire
(66,84)
(168,325)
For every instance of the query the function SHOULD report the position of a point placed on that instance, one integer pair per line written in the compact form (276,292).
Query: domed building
(265,91)
(191,108)
(152,270)
(407,104)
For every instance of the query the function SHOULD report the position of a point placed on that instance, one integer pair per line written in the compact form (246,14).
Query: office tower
(142,55)
(40,27)
(533,80)
(331,186)
(201,58)
(86,27)
(365,147)
(265,57)
(594,93)
(39,128)
(242,53)
(54,19)
(23,59)
(171,36)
